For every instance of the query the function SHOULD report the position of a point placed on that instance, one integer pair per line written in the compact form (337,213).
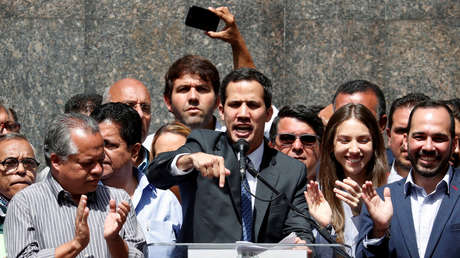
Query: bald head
(134,93)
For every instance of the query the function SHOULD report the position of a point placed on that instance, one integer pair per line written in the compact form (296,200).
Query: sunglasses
(287,139)
(11,164)
(10,126)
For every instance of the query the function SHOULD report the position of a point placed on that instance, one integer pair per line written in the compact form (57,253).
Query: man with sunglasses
(297,132)
(17,168)
(8,123)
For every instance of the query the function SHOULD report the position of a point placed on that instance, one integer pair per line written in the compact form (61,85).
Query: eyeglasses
(10,126)
(287,139)
(11,164)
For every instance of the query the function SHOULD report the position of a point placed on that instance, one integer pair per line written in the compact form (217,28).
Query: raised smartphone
(202,19)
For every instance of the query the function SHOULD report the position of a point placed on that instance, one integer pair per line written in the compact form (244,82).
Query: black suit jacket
(213,214)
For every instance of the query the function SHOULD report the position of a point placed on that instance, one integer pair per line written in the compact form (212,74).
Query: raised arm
(231,34)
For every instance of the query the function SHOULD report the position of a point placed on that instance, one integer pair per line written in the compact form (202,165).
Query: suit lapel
(233,181)
(269,173)
(402,205)
(444,213)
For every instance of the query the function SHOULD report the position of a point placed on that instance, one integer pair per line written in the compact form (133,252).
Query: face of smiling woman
(353,147)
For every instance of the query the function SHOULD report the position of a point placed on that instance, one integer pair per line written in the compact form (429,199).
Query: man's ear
(167,101)
(388,131)
(269,114)
(221,111)
(55,162)
(135,149)
(383,123)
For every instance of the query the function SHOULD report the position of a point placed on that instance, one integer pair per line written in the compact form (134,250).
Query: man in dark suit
(423,208)
(215,208)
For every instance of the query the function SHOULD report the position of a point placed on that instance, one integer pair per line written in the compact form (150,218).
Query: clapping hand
(115,219)
(81,224)
(350,192)
(317,205)
(380,210)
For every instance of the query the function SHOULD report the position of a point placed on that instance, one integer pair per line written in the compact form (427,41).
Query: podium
(242,250)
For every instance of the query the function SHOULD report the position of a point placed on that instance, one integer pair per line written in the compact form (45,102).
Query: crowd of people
(109,189)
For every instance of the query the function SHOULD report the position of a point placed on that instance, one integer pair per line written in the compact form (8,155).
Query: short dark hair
(454,105)
(191,64)
(300,112)
(355,86)
(408,101)
(83,103)
(434,104)
(247,74)
(125,116)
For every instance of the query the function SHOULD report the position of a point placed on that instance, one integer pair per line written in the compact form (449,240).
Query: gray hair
(16,136)
(106,96)
(58,140)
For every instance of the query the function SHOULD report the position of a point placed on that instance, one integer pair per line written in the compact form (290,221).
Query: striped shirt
(42,217)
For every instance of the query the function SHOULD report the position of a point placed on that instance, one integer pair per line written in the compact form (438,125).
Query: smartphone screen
(201,18)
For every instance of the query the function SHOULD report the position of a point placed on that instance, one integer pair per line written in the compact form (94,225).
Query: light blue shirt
(159,213)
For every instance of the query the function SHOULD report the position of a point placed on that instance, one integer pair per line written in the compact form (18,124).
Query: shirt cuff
(372,242)
(175,171)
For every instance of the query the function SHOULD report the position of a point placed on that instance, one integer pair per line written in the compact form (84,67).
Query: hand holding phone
(201,18)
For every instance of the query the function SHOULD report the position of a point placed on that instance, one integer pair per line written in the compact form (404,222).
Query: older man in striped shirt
(69,214)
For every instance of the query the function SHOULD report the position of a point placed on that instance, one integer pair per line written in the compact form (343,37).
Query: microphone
(241,147)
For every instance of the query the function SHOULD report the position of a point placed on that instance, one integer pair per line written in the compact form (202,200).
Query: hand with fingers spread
(350,192)
(208,165)
(81,223)
(231,34)
(81,238)
(115,219)
(381,211)
(317,205)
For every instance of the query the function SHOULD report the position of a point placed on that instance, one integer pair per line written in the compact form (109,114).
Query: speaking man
(220,208)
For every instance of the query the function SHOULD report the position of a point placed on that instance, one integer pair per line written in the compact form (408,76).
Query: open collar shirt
(425,207)
(42,217)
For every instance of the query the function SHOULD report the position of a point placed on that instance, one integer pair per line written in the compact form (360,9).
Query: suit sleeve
(366,226)
(159,171)
(295,222)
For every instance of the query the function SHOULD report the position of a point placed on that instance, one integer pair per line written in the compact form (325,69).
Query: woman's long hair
(331,170)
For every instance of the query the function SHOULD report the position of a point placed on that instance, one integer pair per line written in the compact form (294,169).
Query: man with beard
(397,127)
(419,217)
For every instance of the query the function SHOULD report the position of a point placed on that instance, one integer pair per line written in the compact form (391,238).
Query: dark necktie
(246,207)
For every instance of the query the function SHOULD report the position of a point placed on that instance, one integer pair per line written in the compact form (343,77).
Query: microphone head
(242,145)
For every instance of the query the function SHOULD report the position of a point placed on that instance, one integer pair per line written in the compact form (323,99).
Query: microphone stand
(320,230)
